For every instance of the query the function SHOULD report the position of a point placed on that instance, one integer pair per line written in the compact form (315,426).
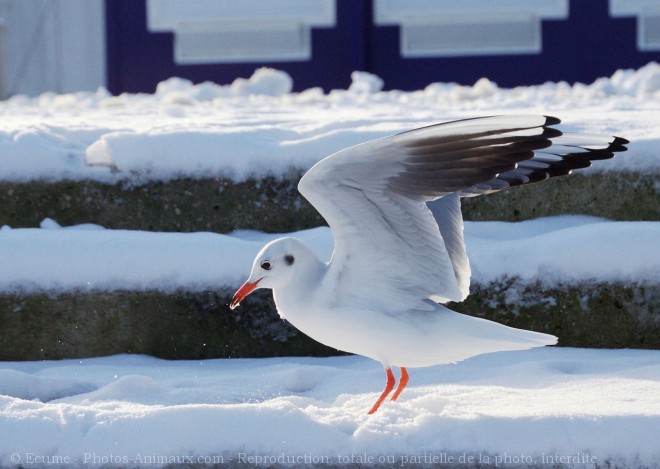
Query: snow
(581,408)
(90,258)
(256,127)
(598,407)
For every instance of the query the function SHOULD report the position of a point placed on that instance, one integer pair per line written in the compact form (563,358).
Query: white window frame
(647,13)
(471,15)
(280,30)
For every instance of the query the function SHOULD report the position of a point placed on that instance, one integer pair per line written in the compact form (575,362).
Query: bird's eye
(289,259)
(266,265)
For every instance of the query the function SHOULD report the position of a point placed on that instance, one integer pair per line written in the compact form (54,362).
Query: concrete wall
(196,325)
(274,205)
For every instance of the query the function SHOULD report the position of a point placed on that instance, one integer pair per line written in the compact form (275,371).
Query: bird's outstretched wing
(389,250)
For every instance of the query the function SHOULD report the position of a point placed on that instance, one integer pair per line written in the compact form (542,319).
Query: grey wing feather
(447,213)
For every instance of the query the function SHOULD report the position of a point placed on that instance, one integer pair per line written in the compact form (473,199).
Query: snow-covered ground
(587,408)
(257,126)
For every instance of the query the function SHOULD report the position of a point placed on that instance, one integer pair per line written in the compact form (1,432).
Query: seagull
(395,262)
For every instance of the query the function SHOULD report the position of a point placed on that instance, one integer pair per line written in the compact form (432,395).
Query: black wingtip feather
(551,120)
(550,132)
(541,167)
(619,144)
(485,161)
(620,141)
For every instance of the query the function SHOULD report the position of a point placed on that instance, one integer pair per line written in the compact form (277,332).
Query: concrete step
(274,205)
(196,325)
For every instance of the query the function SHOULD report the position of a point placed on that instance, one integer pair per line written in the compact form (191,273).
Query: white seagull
(393,263)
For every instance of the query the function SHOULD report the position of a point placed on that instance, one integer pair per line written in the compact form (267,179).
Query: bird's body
(312,301)
(394,261)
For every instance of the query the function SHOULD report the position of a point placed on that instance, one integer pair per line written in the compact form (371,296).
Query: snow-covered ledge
(87,291)
(256,127)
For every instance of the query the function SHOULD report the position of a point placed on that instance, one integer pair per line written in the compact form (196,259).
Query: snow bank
(599,408)
(264,81)
(87,257)
(257,126)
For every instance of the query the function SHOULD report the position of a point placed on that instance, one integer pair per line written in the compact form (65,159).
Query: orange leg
(388,388)
(402,384)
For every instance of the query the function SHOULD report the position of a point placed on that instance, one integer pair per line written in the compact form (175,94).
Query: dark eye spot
(289,259)
(266,265)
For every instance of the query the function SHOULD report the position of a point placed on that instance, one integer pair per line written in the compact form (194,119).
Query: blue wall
(587,45)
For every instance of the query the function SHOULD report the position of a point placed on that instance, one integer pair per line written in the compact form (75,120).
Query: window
(216,31)
(437,28)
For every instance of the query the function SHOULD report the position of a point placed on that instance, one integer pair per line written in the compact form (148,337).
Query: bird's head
(273,267)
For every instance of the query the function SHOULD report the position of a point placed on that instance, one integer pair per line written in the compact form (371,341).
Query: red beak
(241,293)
